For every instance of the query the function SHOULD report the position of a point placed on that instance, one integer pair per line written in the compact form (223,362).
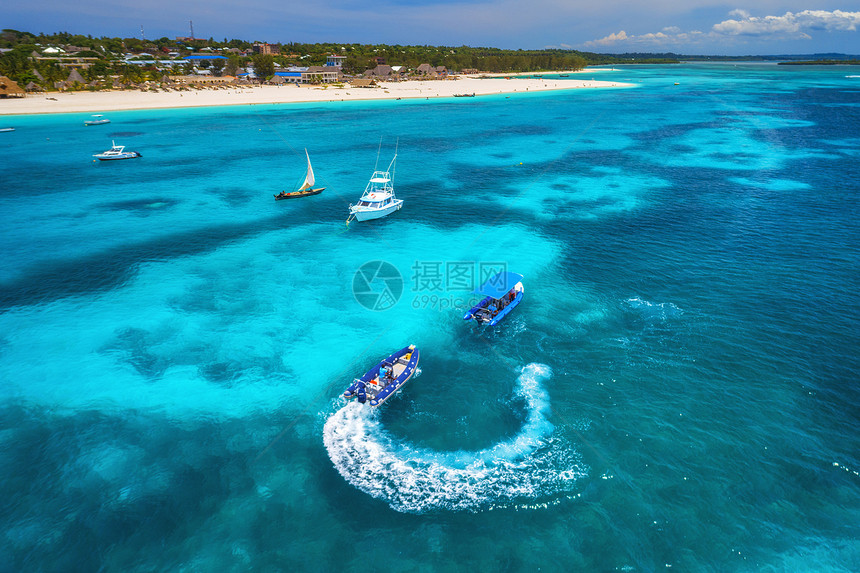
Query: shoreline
(105,101)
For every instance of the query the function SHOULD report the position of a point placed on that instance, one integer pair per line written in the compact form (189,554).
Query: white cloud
(788,26)
(671,36)
(609,40)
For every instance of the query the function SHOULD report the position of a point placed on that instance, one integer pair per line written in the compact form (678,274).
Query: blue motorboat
(382,381)
(502,292)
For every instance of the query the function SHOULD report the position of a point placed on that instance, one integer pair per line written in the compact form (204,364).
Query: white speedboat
(378,199)
(116,152)
(99,120)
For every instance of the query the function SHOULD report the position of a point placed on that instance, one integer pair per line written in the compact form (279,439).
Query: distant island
(822,63)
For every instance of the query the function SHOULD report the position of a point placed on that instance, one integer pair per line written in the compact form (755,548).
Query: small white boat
(2,129)
(116,152)
(378,199)
(99,120)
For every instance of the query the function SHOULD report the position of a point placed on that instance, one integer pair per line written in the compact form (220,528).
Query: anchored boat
(381,382)
(378,199)
(116,152)
(100,119)
(307,187)
(502,293)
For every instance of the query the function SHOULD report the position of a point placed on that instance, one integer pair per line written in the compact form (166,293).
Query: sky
(700,27)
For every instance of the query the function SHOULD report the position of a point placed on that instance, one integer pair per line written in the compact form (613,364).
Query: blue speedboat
(381,382)
(502,292)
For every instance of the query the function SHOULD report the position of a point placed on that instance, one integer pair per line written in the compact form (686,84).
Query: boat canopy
(376,197)
(499,284)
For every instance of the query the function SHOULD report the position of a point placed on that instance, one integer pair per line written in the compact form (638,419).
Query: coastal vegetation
(47,61)
(822,63)
(34,59)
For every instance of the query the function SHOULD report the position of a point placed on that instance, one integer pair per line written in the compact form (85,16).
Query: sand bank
(95,102)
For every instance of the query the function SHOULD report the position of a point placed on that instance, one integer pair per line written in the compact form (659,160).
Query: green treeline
(18,62)
(360,57)
(822,63)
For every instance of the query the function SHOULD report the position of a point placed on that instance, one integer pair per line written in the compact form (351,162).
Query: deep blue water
(678,389)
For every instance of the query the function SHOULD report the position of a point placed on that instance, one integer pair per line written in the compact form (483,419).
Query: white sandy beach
(71,102)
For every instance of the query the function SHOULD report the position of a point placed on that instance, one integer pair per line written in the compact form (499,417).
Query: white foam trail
(530,465)
(661,311)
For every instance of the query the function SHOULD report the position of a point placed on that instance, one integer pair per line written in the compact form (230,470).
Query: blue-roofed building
(198,57)
(309,75)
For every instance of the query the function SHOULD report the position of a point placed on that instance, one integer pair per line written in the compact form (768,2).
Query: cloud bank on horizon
(755,30)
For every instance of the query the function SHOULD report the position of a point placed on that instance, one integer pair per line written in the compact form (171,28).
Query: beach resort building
(267,49)
(195,59)
(431,72)
(335,61)
(384,72)
(308,75)
(8,88)
(362,83)
(62,58)
(200,81)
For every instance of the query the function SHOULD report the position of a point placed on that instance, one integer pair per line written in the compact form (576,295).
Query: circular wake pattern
(532,465)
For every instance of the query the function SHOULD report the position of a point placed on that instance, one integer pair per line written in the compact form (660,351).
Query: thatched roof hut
(33,87)
(8,88)
(425,70)
(75,76)
(381,70)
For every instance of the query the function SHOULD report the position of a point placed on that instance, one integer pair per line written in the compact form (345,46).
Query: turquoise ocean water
(678,389)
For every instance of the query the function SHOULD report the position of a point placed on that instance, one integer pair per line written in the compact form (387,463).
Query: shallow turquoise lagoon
(678,389)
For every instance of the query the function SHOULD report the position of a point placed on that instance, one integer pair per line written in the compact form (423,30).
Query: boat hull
(367,215)
(374,389)
(481,314)
(131,155)
(97,122)
(298,194)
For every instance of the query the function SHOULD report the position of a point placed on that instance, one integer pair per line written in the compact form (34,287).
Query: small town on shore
(62,64)
(33,64)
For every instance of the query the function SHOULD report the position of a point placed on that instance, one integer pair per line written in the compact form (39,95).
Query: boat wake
(533,466)
(654,311)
